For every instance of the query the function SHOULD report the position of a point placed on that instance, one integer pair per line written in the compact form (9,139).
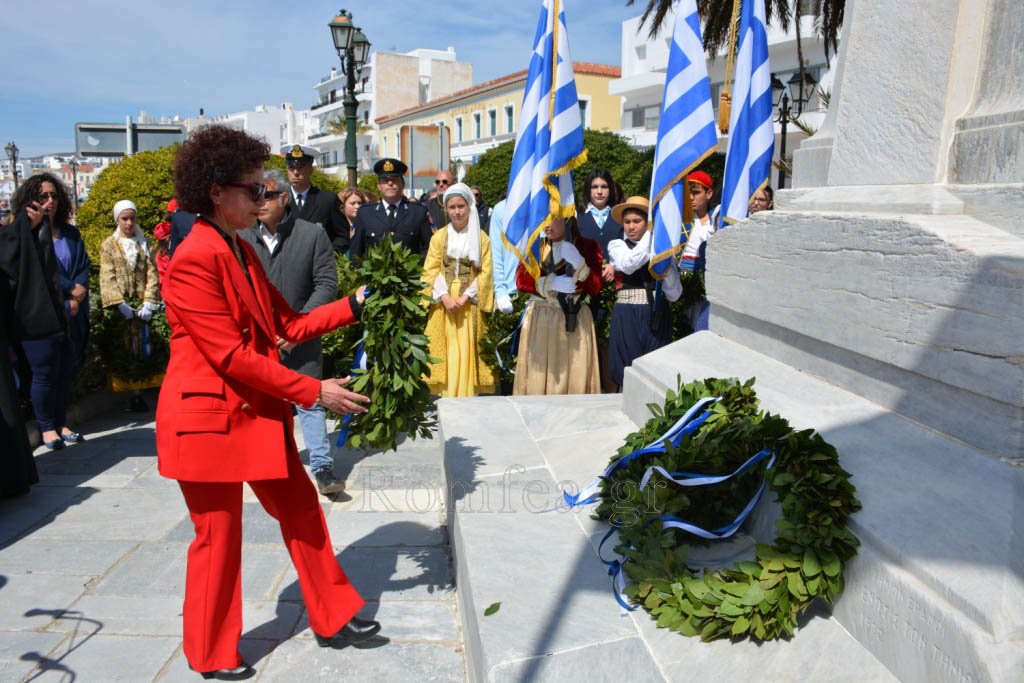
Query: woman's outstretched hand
(334,396)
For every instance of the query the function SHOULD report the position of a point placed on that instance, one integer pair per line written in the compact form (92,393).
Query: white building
(390,82)
(645,61)
(278,125)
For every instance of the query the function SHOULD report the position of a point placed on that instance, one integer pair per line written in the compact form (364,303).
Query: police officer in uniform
(405,222)
(310,203)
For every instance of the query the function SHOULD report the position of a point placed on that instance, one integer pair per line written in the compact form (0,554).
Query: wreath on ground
(397,358)
(761,599)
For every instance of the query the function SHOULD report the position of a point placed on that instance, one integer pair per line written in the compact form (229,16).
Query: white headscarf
(468,246)
(131,246)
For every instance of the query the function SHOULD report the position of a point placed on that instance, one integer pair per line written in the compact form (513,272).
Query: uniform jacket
(225,404)
(324,209)
(181,226)
(302,268)
(411,228)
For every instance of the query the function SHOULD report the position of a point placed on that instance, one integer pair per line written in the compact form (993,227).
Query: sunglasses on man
(442,181)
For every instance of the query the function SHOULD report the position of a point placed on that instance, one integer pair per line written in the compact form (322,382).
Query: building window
(458,129)
(583,112)
(637,117)
(366,117)
(476,126)
(510,126)
(492,122)
(384,146)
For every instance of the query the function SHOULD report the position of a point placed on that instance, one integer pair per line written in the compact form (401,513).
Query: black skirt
(631,335)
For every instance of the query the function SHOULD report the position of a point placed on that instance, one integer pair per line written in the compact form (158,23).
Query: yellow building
(486,115)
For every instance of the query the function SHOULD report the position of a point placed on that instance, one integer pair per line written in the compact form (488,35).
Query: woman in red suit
(225,415)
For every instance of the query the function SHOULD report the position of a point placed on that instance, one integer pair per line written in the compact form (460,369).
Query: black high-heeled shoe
(238,673)
(355,631)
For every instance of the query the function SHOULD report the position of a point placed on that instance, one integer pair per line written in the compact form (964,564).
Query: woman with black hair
(55,360)
(600,194)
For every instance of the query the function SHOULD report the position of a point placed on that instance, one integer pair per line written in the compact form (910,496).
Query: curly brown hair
(33,185)
(214,155)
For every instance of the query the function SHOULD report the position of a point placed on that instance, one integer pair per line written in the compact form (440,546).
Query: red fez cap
(162,231)
(172,206)
(701,178)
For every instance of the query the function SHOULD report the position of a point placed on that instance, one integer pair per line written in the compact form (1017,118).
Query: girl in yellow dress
(457,276)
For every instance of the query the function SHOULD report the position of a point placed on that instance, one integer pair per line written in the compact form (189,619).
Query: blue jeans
(51,361)
(314,433)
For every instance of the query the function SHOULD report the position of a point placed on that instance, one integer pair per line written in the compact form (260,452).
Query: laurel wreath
(760,599)
(394,317)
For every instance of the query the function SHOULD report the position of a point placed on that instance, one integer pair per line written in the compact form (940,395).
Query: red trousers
(213,583)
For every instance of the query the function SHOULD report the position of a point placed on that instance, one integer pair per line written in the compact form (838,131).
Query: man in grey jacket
(299,261)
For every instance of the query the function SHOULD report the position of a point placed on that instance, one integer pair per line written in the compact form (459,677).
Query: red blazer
(591,253)
(225,403)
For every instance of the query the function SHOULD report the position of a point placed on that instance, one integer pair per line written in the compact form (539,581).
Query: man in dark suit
(405,222)
(310,203)
(297,258)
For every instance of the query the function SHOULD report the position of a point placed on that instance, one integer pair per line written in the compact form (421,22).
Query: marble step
(506,460)
(937,589)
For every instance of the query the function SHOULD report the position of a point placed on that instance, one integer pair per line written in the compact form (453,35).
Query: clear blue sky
(65,61)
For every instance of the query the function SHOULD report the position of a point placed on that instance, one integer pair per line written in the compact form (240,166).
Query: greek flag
(549,142)
(748,160)
(686,136)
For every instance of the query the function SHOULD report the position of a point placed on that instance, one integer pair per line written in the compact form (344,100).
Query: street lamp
(74,180)
(780,95)
(12,154)
(353,49)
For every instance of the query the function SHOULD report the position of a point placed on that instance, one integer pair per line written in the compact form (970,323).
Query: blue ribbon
(358,366)
(144,349)
(687,424)
(514,336)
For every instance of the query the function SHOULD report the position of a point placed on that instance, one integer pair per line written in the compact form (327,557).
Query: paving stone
(548,417)
(470,423)
(77,556)
(22,650)
(621,660)
(117,514)
(363,529)
(301,659)
(412,621)
(393,476)
(31,601)
(112,614)
(158,569)
(38,508)
(108,658)
(420,499)
(390,574)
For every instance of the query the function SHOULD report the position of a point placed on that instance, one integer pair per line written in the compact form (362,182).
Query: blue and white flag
(549,142)
(748,161)
(686,136)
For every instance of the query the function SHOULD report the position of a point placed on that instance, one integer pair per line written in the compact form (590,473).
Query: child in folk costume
(705,224)
(642,317)
(558,348)
(457,274)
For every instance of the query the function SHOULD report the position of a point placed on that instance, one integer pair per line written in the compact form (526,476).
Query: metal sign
(427,150)
(122,139)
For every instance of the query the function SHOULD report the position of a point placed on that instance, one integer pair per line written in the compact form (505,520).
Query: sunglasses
(272,194)
(442,182)
(257,191)
(43,196)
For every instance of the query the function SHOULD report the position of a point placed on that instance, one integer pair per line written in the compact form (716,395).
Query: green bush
(147,179)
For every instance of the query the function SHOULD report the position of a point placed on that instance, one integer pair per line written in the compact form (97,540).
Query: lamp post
(12,154)
(74,180)
(780,95)
(353,48)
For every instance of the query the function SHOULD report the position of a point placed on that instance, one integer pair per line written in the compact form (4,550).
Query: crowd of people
(243,270)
